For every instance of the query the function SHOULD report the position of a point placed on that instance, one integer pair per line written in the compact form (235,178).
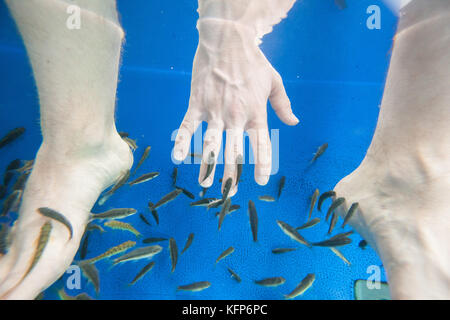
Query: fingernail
(262,180)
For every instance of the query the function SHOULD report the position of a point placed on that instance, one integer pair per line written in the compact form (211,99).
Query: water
(334,70)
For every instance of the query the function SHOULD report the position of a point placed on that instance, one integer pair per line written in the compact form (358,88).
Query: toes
(211,149)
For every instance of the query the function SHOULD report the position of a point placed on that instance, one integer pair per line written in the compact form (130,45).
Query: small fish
(225,254)
(234,275)
(323,197)
(342,4)
(266,198)
(138,254)
(336,203)
(152,240)
(224,211)
(131,143)
(14,165)
(239,166)
(119,225)
(281,185)
(340,255)
(334,218)
(3,191)
(211,162)
(304,285)
(186,192)
(144,178)
(215,204)
(350,213)
(203,202)
(28,165)
(123,134)
(143,158)
(11,201)
(114,214)
(91,273)
(143,218)
(153,212)
(120,183)
(7,177)
(4,232)
(174,176)
(64,296)
(309,224)
(292,233)
(197,286)
(11,136)
(143,272)
(50,213)
(319,152)
(173,253)
(253,219)
(167,198)
(195,155)
(313,202)
(283,250)
(42,241)
(337,242)
(188,242)
(84,246)
(112,251)
(92,226)
(21,181)
(362,244)
(233,208)
(227,188)
(271,282)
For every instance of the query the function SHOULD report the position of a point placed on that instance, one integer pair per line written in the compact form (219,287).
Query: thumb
(280,101)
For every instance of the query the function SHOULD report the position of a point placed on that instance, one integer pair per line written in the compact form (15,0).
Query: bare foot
(68,180)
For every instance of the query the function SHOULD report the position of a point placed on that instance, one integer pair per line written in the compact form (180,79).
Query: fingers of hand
(211,149)
(233,149)
(183,140)
(280,101)
(262,153)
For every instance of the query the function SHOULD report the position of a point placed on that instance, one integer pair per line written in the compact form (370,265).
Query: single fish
(138,254)
(304,285)
(7,177)
(84,246)
(340,255)
(227,188)
(266,198)
(210,162)
(253,219)
(195,155)
(323,197)
(3,190)
(336,203)
(21,181)
(197,286)
(342,4)
(342,235)
(188,242)
(120,183)
(362,244)
(143,218)
(313,202)
(215,204)
(281,185)
(283,250)
(131,143)
(239,167)
(271,282)
(309,224)
(91,273)
(153,212)
(144,178)
(119,225)
(112,251)
(334,218)
(124,134)
(11,201)
(337,242)
(42,241)
(292,233)
(186,192)
(174,176)
(64,296)
(152,240)
(14,165)
(4,232)
(224,211)
(114,214)
(319,152)
(350,213)
(203,202)
(143,272)
(143,158)
(50,213)
(92,226)
(234,275)
(167,198)
(173,253)
(225,254)
(28,165)
(11,136)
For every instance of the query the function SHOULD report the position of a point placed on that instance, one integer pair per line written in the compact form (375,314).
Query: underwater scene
(183,241)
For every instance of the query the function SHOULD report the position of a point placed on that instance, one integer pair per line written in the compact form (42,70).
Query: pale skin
(401,185)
